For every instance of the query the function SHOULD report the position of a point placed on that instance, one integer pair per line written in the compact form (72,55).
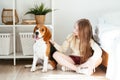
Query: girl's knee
(98,62)
(55,54)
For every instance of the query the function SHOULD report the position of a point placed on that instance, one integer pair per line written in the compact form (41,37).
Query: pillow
(110,34)
(107,39)
(106,27)
(107,32)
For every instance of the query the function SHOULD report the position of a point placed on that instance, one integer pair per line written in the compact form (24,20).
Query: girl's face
(75,31)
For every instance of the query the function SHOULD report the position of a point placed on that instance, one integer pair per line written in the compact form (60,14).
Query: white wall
(69,11)
(72,10)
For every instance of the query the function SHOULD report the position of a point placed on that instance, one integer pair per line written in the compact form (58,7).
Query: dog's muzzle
(36,33)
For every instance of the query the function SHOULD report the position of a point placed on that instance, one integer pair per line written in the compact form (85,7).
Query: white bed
(109,39)
(108,33)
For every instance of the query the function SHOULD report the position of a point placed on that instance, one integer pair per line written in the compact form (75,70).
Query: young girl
(86,55)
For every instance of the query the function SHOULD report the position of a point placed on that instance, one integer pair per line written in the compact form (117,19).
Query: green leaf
(39,10)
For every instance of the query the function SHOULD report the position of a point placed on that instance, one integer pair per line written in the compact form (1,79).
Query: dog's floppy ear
(47,34)
(35,28)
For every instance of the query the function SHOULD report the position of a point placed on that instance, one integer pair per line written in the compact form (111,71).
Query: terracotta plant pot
(40,19)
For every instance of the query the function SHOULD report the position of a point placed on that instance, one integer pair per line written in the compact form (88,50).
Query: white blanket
(107,35)
(109,39)
(113,68)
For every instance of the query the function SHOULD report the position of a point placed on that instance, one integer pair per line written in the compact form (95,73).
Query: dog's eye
(42,30)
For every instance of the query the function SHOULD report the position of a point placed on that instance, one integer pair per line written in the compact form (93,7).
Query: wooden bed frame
(104,58)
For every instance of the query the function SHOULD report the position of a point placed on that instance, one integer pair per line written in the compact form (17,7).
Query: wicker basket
(28,21)
(7,16)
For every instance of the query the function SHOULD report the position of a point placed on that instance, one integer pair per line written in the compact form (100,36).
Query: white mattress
(108,30)
(109,39)
(107,36)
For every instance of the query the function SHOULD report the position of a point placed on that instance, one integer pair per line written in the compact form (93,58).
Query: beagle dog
(43,49)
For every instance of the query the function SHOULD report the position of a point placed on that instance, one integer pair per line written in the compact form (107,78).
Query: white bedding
(107,35)
(109,39)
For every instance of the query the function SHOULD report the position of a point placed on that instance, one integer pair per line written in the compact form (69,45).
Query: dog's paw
(33,69)
(44,70)
(50,67)
(28,66)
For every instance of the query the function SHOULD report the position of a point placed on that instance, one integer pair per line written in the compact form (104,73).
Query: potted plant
(39,11)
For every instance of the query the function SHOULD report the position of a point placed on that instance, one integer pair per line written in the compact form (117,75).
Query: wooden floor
(10,72)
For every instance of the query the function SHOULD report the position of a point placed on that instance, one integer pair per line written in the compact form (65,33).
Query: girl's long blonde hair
(85,34)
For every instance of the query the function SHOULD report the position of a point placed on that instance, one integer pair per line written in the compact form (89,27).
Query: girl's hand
(53,42)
